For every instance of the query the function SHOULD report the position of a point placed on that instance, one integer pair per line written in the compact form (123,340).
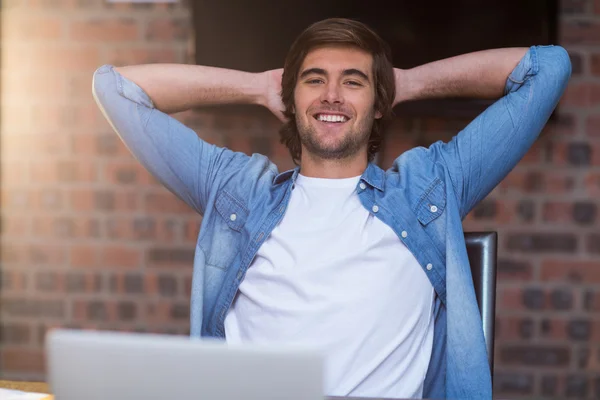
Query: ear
(378,115)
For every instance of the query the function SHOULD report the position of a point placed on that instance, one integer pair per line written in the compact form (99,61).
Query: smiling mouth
(331,118)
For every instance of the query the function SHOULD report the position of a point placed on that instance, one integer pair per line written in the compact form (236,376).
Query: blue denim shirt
(220,184)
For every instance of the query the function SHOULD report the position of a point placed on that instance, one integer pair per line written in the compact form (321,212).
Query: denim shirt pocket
(432,202)
(230,220)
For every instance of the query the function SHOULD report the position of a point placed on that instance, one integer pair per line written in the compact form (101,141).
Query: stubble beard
(347,147)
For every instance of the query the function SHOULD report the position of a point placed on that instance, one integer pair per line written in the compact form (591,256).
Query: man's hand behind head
(272,96)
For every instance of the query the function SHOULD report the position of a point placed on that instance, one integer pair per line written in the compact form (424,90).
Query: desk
(41,387)
(37,387)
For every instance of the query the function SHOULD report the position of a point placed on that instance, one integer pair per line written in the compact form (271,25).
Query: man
(368,265)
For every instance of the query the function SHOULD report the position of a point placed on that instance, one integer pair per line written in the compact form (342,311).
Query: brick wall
(90,240)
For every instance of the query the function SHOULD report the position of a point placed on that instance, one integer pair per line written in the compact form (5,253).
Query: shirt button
(362,186)
(404,234)
(233,217)
(240,274)
(429,266)
(433,209)
(375,209)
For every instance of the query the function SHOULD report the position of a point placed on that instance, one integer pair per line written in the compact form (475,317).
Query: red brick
(43,226)
(49,143)
(595,153)
(127,201)
(168,230)
(593,126)
(564,124)
(47,198)
(67,58)
(557,212)
(511,299)
(120,256)
(192,228)
(559,183)
(509,328)
(521,181)
(15,198)
(14,226)
(79,86)
(47,254)
(104,30)
(15,57)
(570,271)
(79,312)
(577,94)
(592,184)
(36,86)
(61,5)
(164,202)
(579,32)
(13,254)
(89,145)
(119,228)
(76,171)
(594,95)
(127,172)
(533,155)
(151,283)
(167,30)
(82,200)
(84,256)
(65,171)
(158,313)
(13,172)
(18,27)
(16,145)
(23,360)
(555,329)
(43,172)
(595,64)
(86,117)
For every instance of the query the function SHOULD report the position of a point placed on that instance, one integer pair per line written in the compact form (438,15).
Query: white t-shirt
(333,276)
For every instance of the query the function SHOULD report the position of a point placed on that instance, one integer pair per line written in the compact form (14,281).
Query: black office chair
(482,249)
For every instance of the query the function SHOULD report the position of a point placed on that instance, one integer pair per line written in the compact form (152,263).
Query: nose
(332,93)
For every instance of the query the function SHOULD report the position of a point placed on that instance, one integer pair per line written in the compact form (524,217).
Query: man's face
(334,102)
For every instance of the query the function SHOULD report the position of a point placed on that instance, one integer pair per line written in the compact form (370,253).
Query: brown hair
(338,32)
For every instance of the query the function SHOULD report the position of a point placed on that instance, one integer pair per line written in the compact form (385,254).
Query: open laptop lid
(123,366)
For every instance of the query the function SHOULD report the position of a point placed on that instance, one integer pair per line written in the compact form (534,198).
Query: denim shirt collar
(284,176)
(373,176)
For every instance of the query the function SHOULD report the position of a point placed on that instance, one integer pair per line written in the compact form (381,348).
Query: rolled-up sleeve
(170,151)
(483,153)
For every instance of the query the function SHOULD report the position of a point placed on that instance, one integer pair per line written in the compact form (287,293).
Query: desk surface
(42,387)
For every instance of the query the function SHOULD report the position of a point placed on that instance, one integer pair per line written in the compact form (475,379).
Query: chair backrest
(482,249)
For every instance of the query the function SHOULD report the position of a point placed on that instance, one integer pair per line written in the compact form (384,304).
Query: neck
(315,167)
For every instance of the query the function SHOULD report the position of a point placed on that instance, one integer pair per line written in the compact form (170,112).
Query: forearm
(179,87)
(480,75)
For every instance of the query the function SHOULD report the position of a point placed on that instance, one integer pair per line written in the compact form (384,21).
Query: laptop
(95,365)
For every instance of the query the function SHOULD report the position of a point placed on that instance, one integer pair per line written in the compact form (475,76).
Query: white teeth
(332,118)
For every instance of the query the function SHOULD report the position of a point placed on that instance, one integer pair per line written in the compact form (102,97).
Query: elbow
(99,79)
(561,65)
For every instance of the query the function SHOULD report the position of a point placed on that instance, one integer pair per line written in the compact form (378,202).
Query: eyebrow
(346,72)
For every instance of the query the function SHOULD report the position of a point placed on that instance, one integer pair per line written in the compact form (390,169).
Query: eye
(353,83)
(314,80)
